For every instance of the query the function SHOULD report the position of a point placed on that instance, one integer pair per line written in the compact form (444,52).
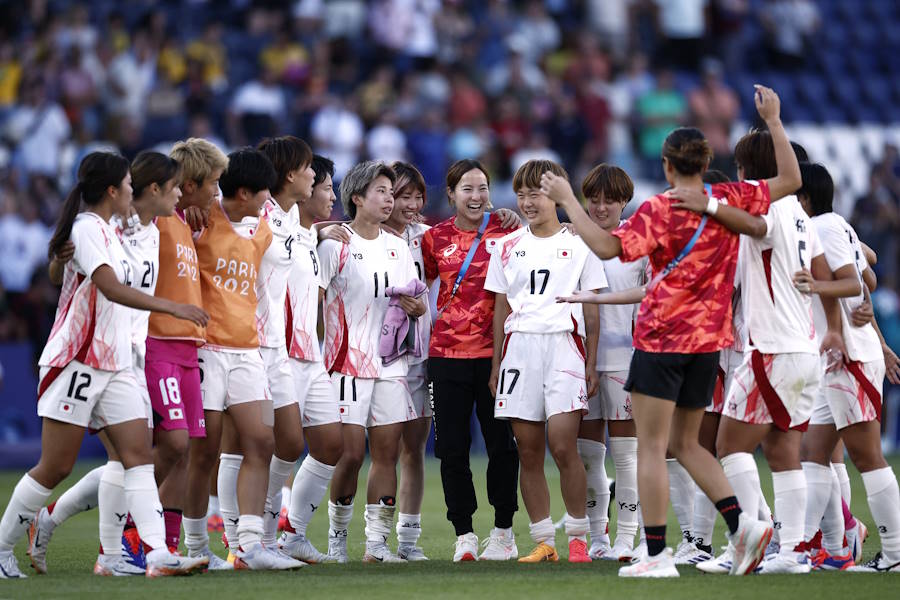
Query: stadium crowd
(580,82)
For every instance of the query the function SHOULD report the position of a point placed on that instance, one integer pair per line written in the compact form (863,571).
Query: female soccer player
(683,322)
(359,279)
(459,363)
(541,373)
(87,376)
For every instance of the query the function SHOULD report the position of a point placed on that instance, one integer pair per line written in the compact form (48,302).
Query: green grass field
(73,551)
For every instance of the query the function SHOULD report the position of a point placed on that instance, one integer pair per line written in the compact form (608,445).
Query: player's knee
(289,448)
(51,474)
(173,447)
(258,445)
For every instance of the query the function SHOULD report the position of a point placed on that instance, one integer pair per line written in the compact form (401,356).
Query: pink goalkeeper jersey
(88,327)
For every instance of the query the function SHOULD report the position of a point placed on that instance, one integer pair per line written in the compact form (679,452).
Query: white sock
(339,516)
(285,496)
(818,490)
(113,507)
(79,498)
(704,520)
(310,485)
(577,529)
(843,479)
(543,532)
(196,537)
(213,507)
(229,467)
(765,513)
(142,498)
(790,507)
(883,495)
(593,455)
(681,490)
(740,469)
(409,528)
(833,520)
(279,471)
(249,530)
(27,499)
(379,522)
(624,454)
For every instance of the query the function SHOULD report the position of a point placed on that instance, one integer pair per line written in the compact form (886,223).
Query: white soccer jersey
(88,327)
(274,270)
(413,237)
(617,320)
(303,298)
(778,317)
(142,250)
(841,246)
(355,276)
(533,271)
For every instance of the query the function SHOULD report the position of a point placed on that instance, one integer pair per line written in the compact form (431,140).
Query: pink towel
(399,334)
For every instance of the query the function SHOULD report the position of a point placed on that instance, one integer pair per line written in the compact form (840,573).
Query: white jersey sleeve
(91,247)
(414,234)
(301,306)
(274,270)
(142,249)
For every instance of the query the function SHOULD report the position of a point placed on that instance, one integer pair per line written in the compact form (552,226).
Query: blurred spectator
(337,132)
(467,103)
(789,24)
(611,20)
(427,142)
(535,148)
(257,110)
(714,108)
(386,141)
(10,75)
(538,30)
(36,128)
(682,25)
(131,76)
(210,52)
(405,26)
(286,58)
(876,218)
(659,111)
(23,246)
(728,28)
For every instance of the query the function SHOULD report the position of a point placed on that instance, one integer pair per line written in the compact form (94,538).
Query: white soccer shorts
(231,377)
(280,376)
(729,361)
(611,402)
(419,390)
(850,394)
(372,402)
(541,375)
(318,402)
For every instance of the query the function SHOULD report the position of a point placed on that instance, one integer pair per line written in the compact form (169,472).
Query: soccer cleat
(878,564)
(380,553)
(855,536)
(823,561)
(749,541)
(411,552)
(297,546)
(690,554)
(39,538)
(661,565)
(231,557)
(133,549)
(622,551)
(108,565)
(337,548)
(600,550)
(542,553)
(260,558)
(9,566)
(216,563)
(578,551)
(782,564)
(283,522)
(720,565)
(500,545)
(773,548)
(466,548)
(160,563)
(215,523)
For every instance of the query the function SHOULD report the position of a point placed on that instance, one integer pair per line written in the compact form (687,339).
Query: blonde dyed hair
(198,158)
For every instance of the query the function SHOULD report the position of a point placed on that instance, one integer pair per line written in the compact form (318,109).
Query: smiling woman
(457,252)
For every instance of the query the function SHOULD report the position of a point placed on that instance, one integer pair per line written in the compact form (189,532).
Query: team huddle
(720,317)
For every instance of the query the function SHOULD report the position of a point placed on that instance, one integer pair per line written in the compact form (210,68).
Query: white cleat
(216,563)
(466,548)
(878,564)
(622,551)
(337,548)
(856,537)
(749,541)
(297,546)
(601,550)
(108,565)
(9,566)
(500,545)
(162,563)
(411,552)
(689,554)
(39,538)
(721,565)
(782,564)
(260,558)
(380,553)
(661,565)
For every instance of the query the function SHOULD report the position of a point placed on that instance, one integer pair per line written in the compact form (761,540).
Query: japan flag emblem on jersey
(392,254)
(415,243)
(563,253)
(66,407)
(491,246)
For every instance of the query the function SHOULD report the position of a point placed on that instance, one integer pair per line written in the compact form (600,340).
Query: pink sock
(172,517)
(849,521)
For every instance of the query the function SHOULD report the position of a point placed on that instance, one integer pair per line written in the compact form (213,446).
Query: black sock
(707,549)
(730,511)
(656,539)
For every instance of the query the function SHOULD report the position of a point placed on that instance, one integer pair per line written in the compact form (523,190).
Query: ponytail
(97,172)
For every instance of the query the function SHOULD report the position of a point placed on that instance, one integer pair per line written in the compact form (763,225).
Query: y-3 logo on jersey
(520,253)
(357,255)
